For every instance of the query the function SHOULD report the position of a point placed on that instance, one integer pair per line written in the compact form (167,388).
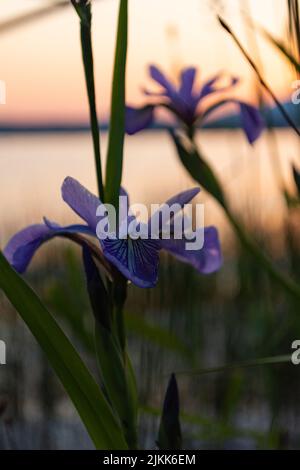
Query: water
(33,166)
(223,319)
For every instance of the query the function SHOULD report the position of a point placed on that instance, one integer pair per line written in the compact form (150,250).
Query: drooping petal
(160,78)
(82,201)
(179,200)
(209,87)
(75,228)
(184,197)
(137,260)
(251,120)
(206,260)
(137,119)
(23,245)
(187,82)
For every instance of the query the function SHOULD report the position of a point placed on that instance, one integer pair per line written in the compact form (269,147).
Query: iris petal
(137,119)
(206,260)
(82,201)
(179,200)
(160,78)
(187,83)
(252,121)
(209,87)
(22,246)
(184,197)
(137,260)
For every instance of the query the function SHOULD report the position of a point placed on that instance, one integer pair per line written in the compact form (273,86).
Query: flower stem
(114,161)
(197,173)
(250,244)
(262,81)
(88,63)
(119,298)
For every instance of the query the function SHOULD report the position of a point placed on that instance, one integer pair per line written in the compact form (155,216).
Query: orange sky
(41,62)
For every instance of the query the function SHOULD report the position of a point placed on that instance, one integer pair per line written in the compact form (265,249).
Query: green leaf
(156,335)
(113,366)
(36,14)
(280,45)
(117,380)
(84,12)
(241,365)
(83,9)
(94,410)
(114,161)
(292,201)
(296,176)
(198,169)
(169,437)
(215,428)
(100,300)
(262,81)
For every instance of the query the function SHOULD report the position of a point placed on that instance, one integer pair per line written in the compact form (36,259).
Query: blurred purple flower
(184,101)
(136,259)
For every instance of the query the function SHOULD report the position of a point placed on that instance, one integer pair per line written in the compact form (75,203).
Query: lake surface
(33,166)
(220,312)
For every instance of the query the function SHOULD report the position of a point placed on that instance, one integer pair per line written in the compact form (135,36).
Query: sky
(41,61)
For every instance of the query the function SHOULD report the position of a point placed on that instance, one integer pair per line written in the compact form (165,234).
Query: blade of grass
(114,161)
(209,425)
(241,365)
(280,45)
(88,399)
(112,366)
(259,76)
(294,26)
(25,18)
(156,334)
(85,14)
(276,42)
(194,163)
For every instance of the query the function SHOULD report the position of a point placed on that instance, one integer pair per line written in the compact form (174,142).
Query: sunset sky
(41,61)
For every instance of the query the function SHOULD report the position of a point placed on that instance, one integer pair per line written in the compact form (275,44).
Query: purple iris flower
(184,101)
(136,259)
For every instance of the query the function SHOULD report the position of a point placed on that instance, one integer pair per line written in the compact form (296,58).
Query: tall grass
(294,28)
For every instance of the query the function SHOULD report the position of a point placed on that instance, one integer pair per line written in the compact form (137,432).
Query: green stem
(262,81)
(251,245)
(245,238)
(114,162)
(273,360)
(119,299)
(119,316)
(87,55)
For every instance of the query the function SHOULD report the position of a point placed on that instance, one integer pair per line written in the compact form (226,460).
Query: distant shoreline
(272,116)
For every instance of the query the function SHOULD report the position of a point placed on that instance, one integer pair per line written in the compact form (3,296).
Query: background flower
(184,102)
